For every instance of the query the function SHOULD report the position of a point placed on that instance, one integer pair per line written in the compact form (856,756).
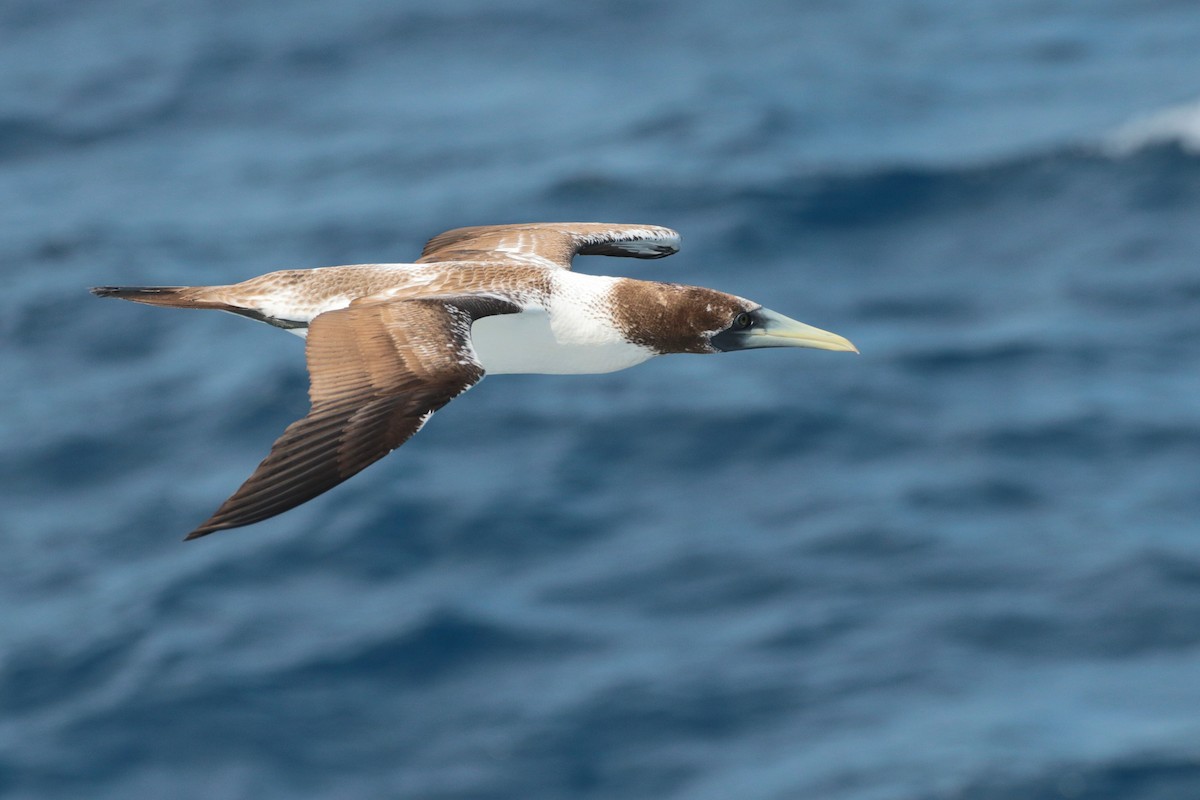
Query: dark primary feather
(377,371)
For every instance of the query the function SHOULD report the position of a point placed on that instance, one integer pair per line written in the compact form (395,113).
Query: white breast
(570,334)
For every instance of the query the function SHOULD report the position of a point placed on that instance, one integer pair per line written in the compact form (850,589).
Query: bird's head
(673,318)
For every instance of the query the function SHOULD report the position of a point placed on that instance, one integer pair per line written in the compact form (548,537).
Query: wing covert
(550,243)
(378,371)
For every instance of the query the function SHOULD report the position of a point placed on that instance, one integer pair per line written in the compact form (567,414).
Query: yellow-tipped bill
(771,329)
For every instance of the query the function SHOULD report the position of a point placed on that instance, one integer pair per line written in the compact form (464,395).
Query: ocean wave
(688,580)
(1149,776)
(1178,125)
(752,214)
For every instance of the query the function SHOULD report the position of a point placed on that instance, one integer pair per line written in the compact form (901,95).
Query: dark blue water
(963,565)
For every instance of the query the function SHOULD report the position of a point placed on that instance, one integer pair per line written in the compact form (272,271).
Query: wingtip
(203,530)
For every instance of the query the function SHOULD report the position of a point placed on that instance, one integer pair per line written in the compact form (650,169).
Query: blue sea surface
(965,564)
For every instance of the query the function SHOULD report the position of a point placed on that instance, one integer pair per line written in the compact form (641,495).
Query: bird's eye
(742,321)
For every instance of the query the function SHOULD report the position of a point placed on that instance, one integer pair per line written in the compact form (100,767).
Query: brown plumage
(390,344)
(557,242)
(378,370)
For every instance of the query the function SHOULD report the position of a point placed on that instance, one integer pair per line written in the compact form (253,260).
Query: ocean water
(965,564)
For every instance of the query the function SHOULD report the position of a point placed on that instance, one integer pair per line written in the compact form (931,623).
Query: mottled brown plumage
(554,242)
(379,370)
(390,344)
(672,317)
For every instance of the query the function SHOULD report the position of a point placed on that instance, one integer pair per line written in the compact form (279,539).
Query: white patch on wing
(306,314)
(299,309)
(520,252)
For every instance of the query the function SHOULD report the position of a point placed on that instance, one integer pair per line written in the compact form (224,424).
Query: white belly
(530,343)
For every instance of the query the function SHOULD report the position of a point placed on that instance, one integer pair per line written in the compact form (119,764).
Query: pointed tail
(173,296)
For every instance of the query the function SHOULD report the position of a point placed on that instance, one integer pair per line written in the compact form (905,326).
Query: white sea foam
(1178,124)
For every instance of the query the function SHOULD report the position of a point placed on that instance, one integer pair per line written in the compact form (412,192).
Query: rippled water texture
(964,564)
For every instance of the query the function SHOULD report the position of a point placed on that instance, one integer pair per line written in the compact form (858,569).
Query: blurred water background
(963,565)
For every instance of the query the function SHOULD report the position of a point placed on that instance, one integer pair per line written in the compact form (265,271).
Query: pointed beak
(772,329)
(777,330)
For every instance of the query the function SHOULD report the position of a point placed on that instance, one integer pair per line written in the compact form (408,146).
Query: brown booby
(389,344)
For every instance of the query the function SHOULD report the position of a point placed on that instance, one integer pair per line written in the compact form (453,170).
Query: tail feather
(174,296)
(215,297)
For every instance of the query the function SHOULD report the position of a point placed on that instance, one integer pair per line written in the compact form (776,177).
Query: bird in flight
(387,345)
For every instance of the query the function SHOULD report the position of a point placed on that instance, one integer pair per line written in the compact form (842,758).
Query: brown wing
(550,243)
(377,372)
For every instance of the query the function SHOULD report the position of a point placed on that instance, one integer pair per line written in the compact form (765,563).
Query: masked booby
(390,344)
